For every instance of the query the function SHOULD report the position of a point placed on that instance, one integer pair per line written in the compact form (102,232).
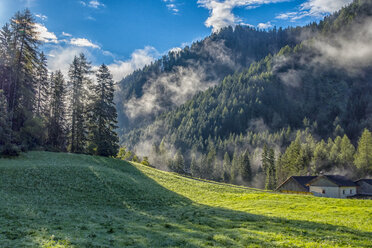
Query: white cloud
(221,14)
(61,58)
(172,6)
(314,8)
(44,35)
(41,16)
(82,42)
(264,25)
(138,60)
(92,4)
(95,4)
(66,34)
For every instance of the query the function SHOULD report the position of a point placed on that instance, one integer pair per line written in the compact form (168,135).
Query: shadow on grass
(106,203)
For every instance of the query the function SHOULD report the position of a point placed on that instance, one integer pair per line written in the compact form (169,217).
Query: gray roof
(341,181)
(369,181)
(302,180)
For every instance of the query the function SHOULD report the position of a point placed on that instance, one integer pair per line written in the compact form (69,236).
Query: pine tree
(226,168)
(21,98)
(347,151)
(363,156)
(57,121)
(194,167)
(42,87)
(178,164)
(103,118)
(245,167)
(235,167)
(5,129)
(270,171)
(80,84)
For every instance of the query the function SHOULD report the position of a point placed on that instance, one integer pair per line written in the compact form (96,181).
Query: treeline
(267,164)
(44,111)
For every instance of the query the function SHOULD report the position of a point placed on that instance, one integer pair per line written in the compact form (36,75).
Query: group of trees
(41,110)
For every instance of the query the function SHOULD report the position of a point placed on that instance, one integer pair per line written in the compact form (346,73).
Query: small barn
(333,186)
(296,184)
(364,188)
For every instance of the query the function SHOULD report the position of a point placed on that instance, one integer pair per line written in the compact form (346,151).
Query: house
(296,184)
(364,188)
(332,186)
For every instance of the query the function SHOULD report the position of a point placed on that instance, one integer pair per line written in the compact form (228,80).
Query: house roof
(302,180)
(341,181)
(369,181)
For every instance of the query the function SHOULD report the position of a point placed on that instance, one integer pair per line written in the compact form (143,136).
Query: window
(323,191)
(351,191)
(343,192)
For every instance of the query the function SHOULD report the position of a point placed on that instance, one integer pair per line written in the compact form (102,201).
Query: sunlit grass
(67,200)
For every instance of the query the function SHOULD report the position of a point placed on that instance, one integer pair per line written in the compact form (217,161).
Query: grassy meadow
(69,200)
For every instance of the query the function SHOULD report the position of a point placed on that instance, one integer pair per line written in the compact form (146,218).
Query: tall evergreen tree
(5,129)
(80,84)
(21,98)
(235,167)
(245,167)
(270,171)
(103,116)
(57,122)
(226,167)
(42,88)
(363,156)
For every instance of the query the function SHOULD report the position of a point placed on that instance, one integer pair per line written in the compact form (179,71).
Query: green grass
(69,200)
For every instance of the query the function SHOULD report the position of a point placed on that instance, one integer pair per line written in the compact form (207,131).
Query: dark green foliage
(57,125)
(102,123)
(79,84)
(245,167)
(33,108)
(6,148)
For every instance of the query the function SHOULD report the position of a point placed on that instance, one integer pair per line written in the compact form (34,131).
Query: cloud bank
(221,14)
(314,8)
(138,60)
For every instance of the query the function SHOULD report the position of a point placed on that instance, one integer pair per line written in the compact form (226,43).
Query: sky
(128,34)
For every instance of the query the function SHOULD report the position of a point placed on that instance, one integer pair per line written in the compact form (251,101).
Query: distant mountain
(178,76)
(319,88)
(320,78)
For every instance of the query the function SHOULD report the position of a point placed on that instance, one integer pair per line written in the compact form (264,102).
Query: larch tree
(363,156)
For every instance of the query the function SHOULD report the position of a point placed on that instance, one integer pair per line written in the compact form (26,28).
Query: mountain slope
(323,84)
(69,200)
(177,76)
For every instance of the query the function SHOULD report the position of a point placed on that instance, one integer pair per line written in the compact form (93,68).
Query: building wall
(329,191)
(333,192)
(364,188)
(349,191)
(292,185)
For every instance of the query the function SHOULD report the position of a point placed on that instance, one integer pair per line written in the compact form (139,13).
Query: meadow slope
(69,200)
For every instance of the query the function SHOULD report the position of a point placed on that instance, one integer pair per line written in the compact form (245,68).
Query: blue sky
(127,34)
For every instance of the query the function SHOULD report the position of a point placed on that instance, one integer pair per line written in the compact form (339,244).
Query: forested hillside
(320,87)
(177,76)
